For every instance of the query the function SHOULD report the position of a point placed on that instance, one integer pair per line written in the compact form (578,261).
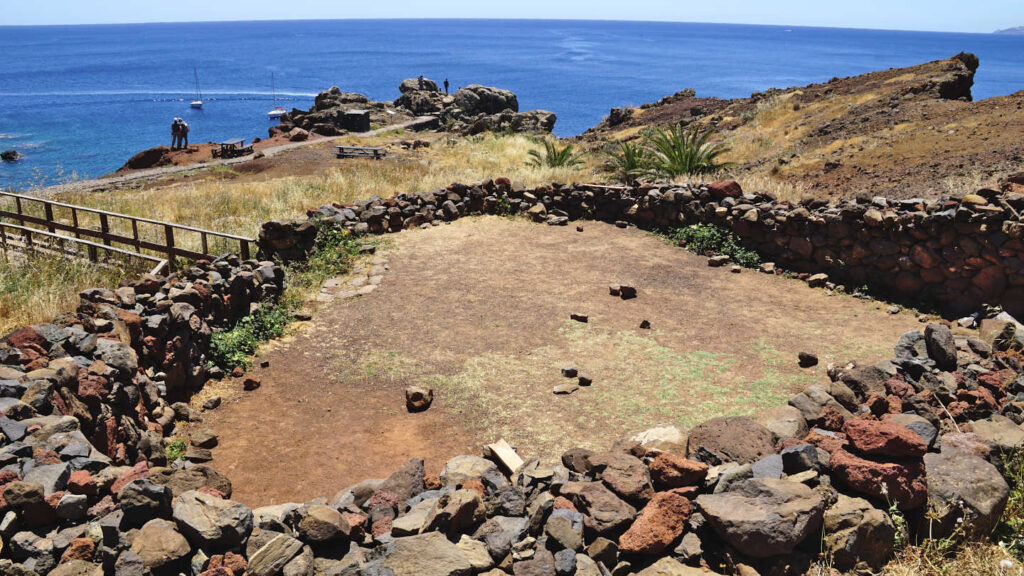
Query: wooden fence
(135,235)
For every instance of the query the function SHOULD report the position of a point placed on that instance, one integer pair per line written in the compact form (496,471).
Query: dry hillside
(904,132)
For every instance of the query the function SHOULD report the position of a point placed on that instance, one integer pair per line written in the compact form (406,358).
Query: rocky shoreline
(87,402)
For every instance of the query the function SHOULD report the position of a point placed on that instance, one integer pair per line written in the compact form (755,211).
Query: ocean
(78,101)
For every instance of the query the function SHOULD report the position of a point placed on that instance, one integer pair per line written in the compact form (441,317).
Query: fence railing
(25,239)
(167,239)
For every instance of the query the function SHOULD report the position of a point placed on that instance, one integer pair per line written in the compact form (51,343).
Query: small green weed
(175,449)
(702,238)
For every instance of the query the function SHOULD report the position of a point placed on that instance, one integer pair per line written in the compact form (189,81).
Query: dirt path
(154,173)
(479,310)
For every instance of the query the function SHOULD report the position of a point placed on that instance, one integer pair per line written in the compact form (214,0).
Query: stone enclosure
(87,401)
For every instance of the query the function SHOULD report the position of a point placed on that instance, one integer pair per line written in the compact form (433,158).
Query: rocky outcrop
(471,110)
(11,156)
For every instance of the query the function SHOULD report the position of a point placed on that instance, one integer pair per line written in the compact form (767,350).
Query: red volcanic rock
(884,439)
(432,481)
(211,491)
(82,482)
(725,189)
(92,388)
(476,486)
(996,380)
(674,471)
(382,498)
(103,507)
(563,504)
(251,383)
(218,571)
(80,549)
(137,472)
(830,419)
(356,524)
(660,523)
(900,482)
(897,386)
(381,527)
(234,562)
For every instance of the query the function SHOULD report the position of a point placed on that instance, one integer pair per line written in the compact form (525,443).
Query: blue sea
(78,101)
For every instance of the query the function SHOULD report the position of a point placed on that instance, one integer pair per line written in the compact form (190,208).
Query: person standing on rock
(445,86)
(420,79)
(175,133)
(184,135)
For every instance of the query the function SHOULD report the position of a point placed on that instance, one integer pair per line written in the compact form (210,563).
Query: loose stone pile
(958,253)
(85,403)
(924,432)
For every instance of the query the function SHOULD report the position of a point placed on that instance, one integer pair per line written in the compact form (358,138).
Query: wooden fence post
(105,229)
(48,210)
(169,235)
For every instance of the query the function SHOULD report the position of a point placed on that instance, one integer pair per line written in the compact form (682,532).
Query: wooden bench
(232,148)
(361,152)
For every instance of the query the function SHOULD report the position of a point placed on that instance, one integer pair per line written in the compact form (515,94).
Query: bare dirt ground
(479,310)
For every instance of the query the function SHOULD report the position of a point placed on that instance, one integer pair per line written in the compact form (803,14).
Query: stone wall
(955,254)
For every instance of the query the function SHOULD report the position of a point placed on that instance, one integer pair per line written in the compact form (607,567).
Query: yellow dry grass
(240,208)
(35,291)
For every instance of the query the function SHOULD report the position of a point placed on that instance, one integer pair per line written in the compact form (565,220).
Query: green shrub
(701,238)
(332,254)
(627,162)
(681,152)
(235,347)
(554,156)
(175,449)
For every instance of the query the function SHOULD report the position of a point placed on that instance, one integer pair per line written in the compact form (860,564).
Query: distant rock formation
(1015,30)
(470,110)
(11,156)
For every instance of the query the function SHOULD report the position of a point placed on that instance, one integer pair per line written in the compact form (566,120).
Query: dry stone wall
(953,254)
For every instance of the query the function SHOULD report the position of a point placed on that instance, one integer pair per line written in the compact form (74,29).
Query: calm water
(81,100)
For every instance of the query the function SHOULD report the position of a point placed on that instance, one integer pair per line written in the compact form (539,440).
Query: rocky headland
(904,132)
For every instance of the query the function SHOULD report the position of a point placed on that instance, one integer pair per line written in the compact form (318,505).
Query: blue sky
(940,15)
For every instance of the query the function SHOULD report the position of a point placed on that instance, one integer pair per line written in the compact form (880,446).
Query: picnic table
(232,148)
(361,152)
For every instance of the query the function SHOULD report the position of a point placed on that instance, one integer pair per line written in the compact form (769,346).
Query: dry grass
(240,208)
(37,287)
(36,290)
(974,559)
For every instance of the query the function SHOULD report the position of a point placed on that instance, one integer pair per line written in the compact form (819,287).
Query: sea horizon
(79,100)
(470,19)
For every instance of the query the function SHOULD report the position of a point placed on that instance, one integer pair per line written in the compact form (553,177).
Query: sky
(931,15)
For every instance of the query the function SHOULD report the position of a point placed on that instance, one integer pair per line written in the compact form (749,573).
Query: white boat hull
(197,104)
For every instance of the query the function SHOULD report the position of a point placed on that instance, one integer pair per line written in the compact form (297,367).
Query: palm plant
(681,152)
(554,156)
(626,162)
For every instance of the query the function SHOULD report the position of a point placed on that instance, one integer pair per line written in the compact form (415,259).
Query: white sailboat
(197,102)
(276,112)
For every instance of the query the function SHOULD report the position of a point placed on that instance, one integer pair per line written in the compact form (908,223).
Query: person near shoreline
(184,134)
(445,86)
(175,133)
